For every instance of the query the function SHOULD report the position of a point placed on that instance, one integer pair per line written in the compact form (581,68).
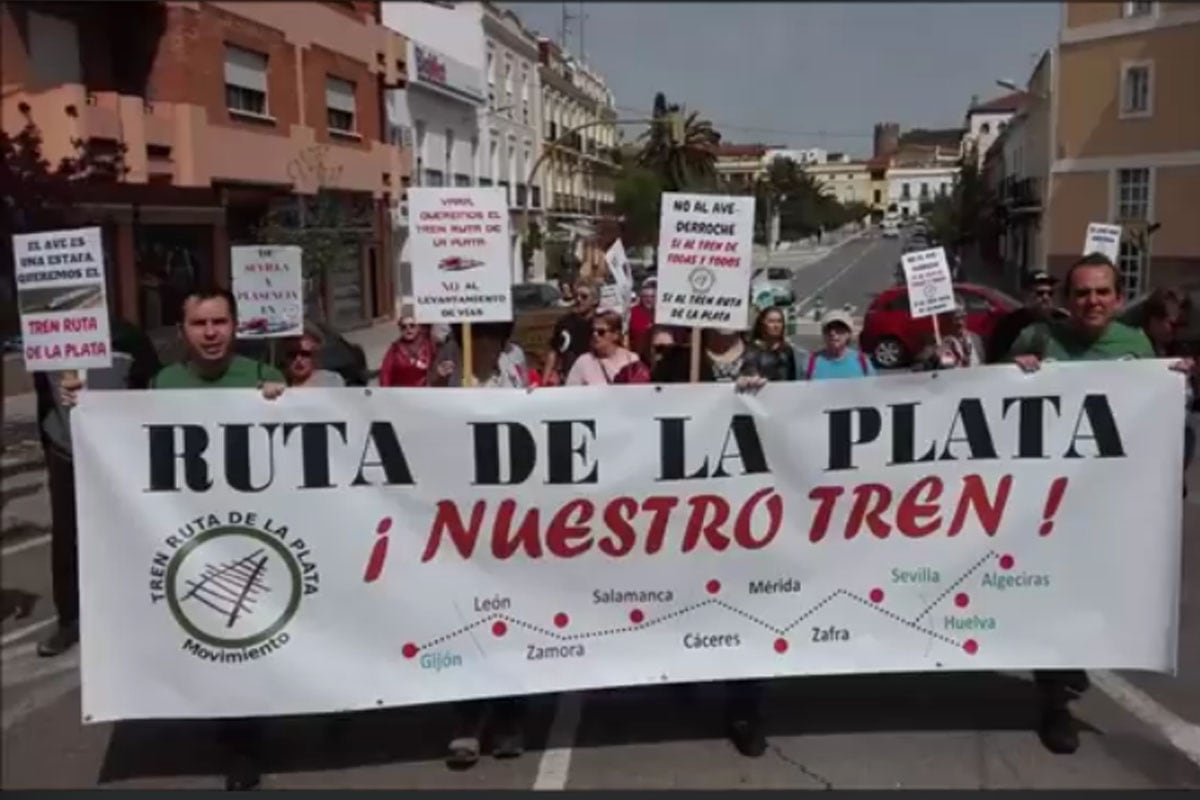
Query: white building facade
(803,157)
(579,129)
(439,112)
(985,122)
(911,188)
(510,133)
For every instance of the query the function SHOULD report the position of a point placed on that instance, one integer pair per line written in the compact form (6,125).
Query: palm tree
(688,165)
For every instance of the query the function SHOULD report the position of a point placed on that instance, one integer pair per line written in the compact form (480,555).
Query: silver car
(775,281)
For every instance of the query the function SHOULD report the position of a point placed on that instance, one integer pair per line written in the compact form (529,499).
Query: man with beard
(1039,307)
(572,335)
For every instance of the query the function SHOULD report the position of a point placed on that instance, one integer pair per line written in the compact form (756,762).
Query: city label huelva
(579,539)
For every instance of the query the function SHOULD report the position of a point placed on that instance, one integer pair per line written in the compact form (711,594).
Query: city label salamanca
(602,596)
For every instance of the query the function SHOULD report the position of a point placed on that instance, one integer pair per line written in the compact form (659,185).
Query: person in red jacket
(641,317)
(409,359)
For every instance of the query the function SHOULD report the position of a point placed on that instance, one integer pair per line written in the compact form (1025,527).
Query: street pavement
(964,731)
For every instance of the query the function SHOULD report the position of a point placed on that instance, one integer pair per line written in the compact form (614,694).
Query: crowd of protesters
(594,347)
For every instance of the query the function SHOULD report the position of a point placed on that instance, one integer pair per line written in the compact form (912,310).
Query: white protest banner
(616,293)
(62,299)
(348,549)
(930,286)
(1103,238)
(705,253)
(268,283)
(461,258)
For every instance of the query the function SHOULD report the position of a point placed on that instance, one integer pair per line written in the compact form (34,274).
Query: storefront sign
(440,72)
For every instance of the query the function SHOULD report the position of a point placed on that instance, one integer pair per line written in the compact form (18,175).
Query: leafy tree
(638,194)
(36,195)
(530,245)
(321,226)
(688,166)
(967,214)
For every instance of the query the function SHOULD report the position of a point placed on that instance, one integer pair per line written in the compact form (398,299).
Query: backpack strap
(812,366)
(862,362)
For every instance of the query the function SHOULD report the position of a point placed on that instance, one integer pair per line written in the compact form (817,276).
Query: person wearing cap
(837,359)
(958,348)
(1039,307)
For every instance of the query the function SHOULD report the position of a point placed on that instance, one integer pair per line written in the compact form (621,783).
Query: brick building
(233,115)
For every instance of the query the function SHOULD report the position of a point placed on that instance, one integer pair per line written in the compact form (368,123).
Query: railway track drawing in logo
(233,587)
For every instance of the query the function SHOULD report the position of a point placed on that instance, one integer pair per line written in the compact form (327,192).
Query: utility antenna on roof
(564,31)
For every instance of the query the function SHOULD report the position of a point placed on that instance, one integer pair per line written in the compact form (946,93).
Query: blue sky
(807,74)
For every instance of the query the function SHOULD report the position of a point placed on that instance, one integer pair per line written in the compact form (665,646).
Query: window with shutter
(339,104)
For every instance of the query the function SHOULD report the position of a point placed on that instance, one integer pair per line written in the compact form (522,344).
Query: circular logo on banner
(232,584)
(702,280)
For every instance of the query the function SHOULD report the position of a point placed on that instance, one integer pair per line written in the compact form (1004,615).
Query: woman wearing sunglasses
(300,365)
(408,361)
(607,361)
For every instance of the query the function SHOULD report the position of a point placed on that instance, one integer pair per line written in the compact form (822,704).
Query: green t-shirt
(1057,341)
(242,373)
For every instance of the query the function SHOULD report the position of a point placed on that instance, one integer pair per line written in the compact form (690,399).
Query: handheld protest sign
(705,261)
(62,300)
(1104,239)
(930,286)
(694,366)
(462,265)
(268,285)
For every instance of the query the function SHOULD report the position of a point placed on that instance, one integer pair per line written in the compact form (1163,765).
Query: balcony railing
(1020,193)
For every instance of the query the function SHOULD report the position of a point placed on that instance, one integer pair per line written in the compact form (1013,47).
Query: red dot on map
(877,595)
(384,526)
(1006,562)
(971,647)
(781,645)
(713,586)
(499,628)
(961,600)
(410,650)
(636,616)
(561,620)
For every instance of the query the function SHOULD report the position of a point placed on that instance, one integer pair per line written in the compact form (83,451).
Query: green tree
(966,215)
(36,195)
(638,194)
(324,226)
(686,166)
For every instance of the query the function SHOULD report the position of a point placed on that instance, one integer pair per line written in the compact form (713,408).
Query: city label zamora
(232,582)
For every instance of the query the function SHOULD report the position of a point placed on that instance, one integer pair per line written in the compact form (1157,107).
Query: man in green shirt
(1090,333)
(208,327)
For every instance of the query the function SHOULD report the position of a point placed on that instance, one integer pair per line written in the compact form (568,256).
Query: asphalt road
(966,731)
(852,274)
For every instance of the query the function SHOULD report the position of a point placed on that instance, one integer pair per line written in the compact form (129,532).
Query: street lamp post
(674,120)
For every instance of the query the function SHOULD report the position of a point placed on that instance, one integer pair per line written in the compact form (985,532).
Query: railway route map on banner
(341,549)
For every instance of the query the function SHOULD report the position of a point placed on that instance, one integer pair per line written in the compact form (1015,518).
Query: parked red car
(893,338)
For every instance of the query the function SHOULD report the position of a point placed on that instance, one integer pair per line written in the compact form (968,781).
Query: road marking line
(21,547)
(28,630)
(800,309)
(1184,736)
(555,766)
